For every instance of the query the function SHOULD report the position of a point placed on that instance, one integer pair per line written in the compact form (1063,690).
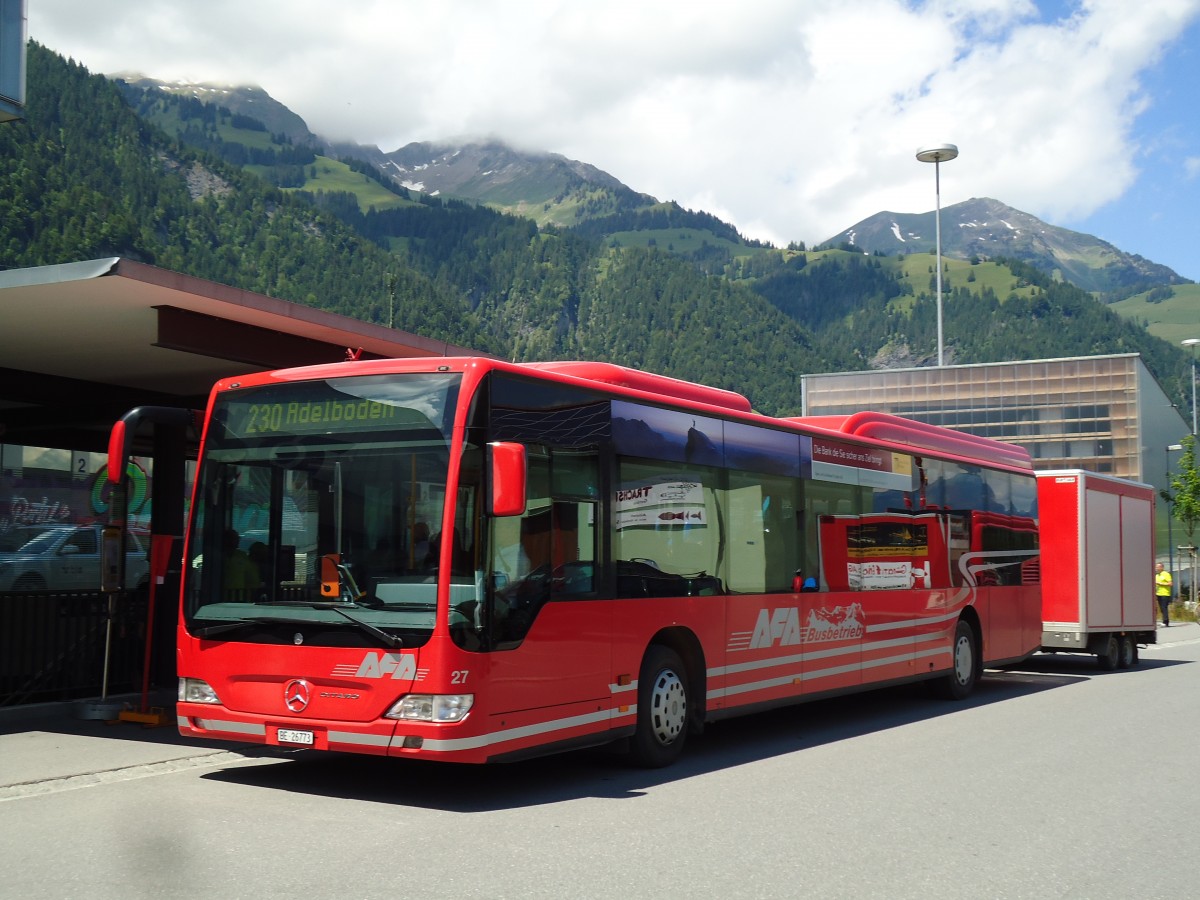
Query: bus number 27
(459,677)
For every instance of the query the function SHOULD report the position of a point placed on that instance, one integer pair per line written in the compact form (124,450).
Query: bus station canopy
(81,343)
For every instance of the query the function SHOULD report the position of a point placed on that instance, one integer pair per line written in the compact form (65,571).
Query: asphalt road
(1054,780)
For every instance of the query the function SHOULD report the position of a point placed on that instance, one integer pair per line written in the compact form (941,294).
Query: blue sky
(1158,216)
(792,119)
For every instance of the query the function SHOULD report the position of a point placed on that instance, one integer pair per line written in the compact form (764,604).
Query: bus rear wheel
(958,683)
(662,719)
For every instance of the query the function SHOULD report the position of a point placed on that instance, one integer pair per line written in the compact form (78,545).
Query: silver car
(67,558)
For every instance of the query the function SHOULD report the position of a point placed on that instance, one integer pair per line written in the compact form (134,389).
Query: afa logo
(398,666)
(782,625)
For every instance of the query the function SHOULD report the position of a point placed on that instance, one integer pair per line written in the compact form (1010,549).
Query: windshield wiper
(387,637)
(221,628)
(392,640)
(339,607)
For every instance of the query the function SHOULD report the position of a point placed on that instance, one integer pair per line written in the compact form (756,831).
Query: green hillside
(85,178)
(917,271)
(683,241)
(327,175)
(1174,317)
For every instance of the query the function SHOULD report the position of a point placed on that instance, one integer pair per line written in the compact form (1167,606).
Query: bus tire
(662,717)
(958,683)
(1128,652)
(1109,655)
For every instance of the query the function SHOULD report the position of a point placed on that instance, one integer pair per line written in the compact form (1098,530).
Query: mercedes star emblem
(296,695)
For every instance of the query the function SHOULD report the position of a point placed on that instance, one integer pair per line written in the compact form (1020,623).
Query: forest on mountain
(86,176)
(83,178)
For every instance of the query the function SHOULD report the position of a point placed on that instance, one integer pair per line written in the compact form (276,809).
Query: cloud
(792,120)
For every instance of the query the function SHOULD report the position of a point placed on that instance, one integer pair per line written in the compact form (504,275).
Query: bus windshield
(318,505)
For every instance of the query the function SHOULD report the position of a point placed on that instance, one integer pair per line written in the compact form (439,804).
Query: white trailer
(1097,565)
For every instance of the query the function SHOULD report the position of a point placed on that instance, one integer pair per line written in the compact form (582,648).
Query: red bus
(469,560)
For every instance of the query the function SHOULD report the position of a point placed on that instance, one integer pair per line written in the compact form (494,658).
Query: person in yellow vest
(1162,592)
(241,576)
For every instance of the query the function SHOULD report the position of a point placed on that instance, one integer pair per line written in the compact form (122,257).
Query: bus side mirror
(508,469)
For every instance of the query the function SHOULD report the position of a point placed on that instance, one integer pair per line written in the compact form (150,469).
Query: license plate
(288,736)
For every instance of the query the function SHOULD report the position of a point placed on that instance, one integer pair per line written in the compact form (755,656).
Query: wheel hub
(668,707)
(964,664)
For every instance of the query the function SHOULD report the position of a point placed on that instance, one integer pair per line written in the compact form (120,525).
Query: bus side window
(667,528)
(549,552)
(766,550)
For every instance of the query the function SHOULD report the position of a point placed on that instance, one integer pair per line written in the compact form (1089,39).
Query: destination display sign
(409,402)
(310,416)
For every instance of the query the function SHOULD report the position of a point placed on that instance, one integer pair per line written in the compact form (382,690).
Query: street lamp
(1192,342)
(937,154)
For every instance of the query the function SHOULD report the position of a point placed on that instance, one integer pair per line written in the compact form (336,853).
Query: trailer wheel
(958,683)
(1129,652)
(662,709)
(1109,656)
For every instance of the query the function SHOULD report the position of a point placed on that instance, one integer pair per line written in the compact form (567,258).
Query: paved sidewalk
(1178,633)
(48,747)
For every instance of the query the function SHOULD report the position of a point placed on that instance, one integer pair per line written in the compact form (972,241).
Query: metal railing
(52,645)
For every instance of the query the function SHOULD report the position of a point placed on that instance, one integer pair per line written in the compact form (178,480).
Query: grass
(1182,612)
(679,240)
(258,140)
(918,268)
(331,175)
(1172,320)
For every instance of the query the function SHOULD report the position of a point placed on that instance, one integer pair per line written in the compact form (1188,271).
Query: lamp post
(1192,342)
(937,154)
(1171,448)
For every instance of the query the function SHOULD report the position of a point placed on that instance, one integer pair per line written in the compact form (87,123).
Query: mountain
(245,100)
(90,173)
(553,190)
(985,229)
(84,178)
(246,126)
(103,169)
(546,187)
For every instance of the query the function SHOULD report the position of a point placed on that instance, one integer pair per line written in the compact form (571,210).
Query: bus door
(550,638)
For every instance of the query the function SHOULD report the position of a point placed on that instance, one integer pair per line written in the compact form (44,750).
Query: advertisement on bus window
(885,551)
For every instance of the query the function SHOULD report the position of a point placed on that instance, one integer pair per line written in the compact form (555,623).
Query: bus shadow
(603,773)
(1086,666)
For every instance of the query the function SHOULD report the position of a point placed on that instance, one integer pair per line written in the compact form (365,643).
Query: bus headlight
(432,707)
(193,690)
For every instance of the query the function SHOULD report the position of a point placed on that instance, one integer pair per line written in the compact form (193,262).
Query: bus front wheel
(662,717)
